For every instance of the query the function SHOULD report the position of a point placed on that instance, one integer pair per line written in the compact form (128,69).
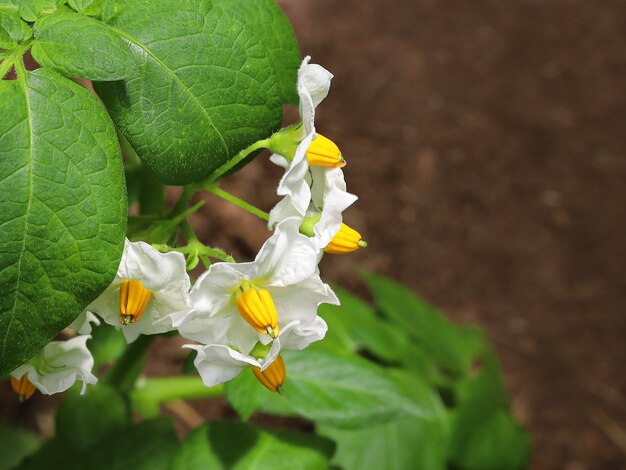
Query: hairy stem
(237,201)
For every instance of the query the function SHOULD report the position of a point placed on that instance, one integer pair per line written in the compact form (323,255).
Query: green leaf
(107,343)
(64,209)
(15,444)
(87,7)
(149,445)
(78,46)
(273,28)
(206,86)
(12,29)
(30,10)
(359,327)
(454,347)
(339,390)
(417,441)
(401,444)
(246,395)
(82,420)
(238,446)
(485,434)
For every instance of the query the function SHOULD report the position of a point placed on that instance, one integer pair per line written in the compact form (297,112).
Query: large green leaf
(78,46)
(82,420)
(454,347)
(416,441)
(87,7)
(63,209)
(206,86)
(273,28)
(237,446)
(357,325)
(15,444)
(341,390)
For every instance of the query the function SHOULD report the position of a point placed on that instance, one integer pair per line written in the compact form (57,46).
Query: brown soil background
(485,140)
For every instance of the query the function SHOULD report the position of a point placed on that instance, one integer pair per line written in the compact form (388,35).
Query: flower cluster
(241,315)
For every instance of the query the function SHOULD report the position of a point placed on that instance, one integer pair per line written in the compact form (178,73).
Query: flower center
(324,152)
(273,377)
(346,240)
(256,306)
(134,298)
(23,387)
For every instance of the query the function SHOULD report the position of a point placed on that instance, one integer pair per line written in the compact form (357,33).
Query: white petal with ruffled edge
(59,365)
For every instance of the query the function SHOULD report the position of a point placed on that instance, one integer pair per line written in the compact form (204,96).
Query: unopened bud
(346,240)
(273,377)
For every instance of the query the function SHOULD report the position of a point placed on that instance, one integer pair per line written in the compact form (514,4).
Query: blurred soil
(486,141)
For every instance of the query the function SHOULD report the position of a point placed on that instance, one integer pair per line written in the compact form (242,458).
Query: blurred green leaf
(418,441)
(15,444)
(149,445)
(486,435)
(238,446)
(106,344)
(356,325)
(454,347)
(82,420)
(246,395)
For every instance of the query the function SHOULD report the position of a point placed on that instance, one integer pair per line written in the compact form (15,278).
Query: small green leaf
(81,47)
(87,7)
(30,10)
(454,347)
(273,28)
(82,420)
(238,446)
(12,29)
(340,390)
(206,86)
(485,434)
(64,209)
(15,444)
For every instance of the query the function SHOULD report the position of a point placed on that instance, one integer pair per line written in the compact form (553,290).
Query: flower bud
(256,306)
(324,152)
(346,240)
(23,387)
(134,298)
(273,377)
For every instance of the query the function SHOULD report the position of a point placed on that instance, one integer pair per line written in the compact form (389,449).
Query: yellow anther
(346,240)
(23,387)
(324,152)
(256,306)
(134,298)
(273,377)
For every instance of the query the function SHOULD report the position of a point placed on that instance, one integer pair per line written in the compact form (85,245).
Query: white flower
(149,290)
(311,190)
(56,368)
(82,324)
(282,281)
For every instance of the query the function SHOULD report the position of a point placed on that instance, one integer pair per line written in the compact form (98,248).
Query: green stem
(163,389)
(194,244)
(230,164)
(124,373)
(238,202)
